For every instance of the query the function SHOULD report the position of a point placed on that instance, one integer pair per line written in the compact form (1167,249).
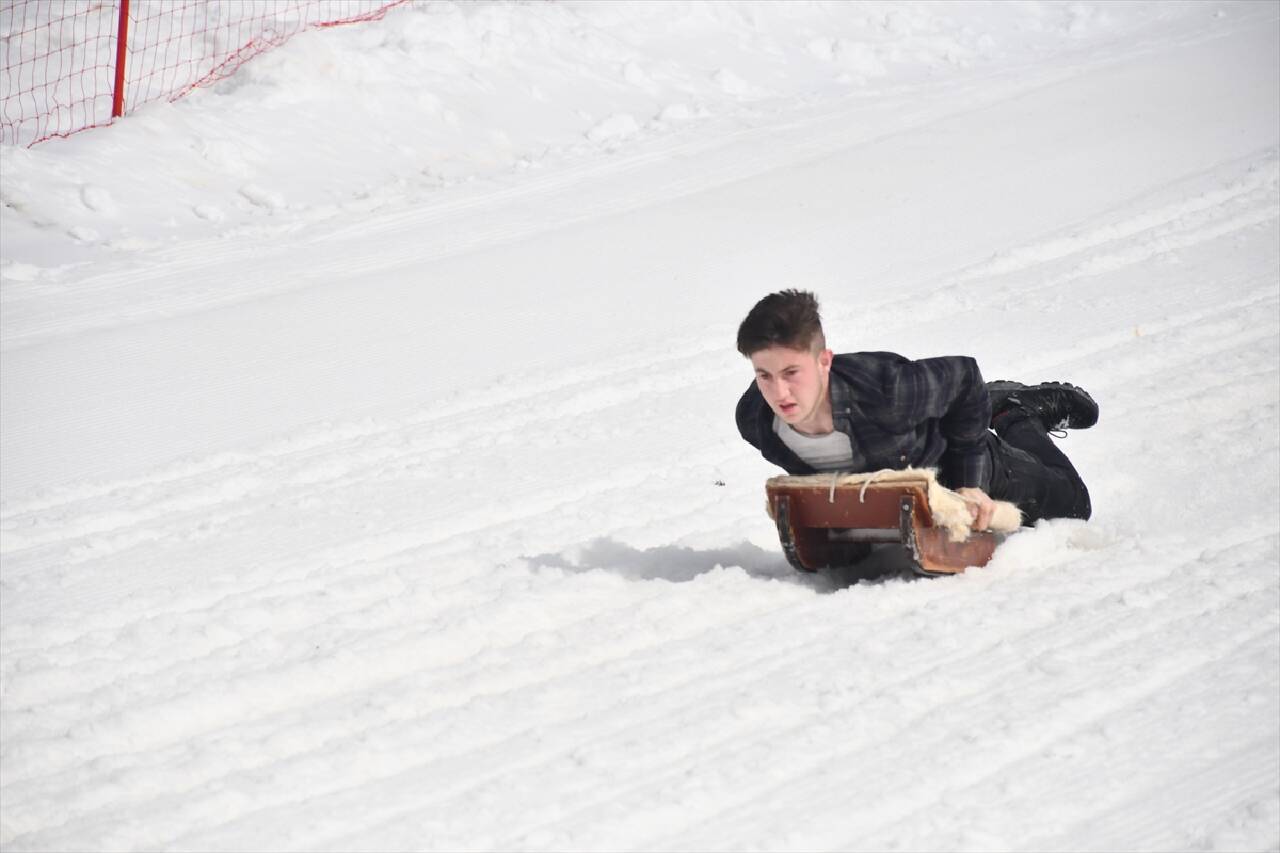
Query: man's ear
(824,360)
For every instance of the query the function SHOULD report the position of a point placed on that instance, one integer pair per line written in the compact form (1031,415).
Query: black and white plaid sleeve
(950,389)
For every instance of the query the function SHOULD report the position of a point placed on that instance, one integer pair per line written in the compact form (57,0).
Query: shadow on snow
(678,564)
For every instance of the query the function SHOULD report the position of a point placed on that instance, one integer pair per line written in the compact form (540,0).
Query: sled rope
(862,493)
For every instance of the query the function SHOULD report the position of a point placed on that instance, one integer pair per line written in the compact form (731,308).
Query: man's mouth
(788,408)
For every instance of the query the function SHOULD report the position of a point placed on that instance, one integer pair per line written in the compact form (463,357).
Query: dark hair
(788,318)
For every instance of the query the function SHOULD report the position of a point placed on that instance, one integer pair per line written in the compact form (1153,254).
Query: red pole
(122,37)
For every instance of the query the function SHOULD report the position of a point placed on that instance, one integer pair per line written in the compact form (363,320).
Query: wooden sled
(831,521)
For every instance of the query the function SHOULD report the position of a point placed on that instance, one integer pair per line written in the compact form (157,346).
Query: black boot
(1056,404)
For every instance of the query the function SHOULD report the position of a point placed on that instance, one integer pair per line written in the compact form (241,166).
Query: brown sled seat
(828,520)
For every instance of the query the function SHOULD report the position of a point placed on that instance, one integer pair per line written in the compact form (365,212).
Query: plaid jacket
(931,413)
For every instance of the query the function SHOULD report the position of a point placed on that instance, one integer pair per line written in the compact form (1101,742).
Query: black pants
(1029,470)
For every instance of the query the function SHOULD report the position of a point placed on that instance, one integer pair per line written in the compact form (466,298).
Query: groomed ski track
(523,594)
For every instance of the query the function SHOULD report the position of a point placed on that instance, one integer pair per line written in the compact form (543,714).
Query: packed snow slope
(368,475)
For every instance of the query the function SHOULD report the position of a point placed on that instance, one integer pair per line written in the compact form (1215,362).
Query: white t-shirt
(830,452)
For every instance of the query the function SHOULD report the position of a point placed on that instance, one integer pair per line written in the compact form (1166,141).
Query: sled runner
(832,520)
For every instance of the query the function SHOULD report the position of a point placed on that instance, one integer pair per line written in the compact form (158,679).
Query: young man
(810,411)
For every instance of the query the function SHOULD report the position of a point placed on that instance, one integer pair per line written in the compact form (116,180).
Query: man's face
(794,384)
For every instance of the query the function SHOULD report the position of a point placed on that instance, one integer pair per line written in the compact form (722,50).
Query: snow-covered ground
(368,475)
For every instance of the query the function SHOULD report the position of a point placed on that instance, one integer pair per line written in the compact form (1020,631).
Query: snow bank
(328,128)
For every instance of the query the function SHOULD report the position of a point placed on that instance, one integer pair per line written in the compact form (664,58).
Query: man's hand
(981,507)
